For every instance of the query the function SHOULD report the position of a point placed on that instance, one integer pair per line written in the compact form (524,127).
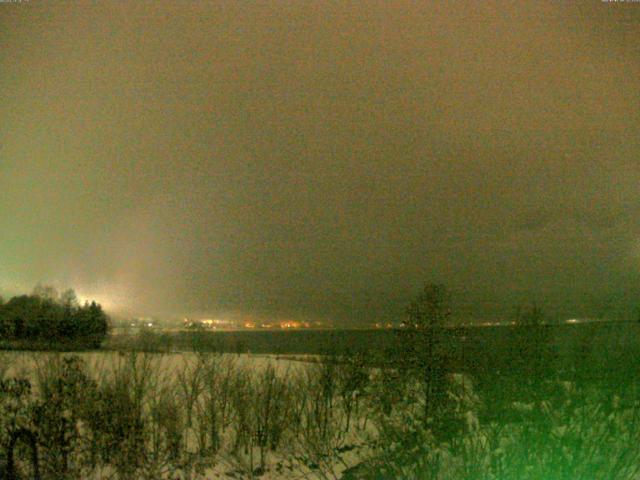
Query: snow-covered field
(165,364)
(227,416)
(219,415)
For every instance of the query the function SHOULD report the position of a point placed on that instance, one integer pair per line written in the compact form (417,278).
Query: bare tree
(431,309)
(426,316)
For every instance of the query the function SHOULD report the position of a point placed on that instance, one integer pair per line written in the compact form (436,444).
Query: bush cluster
(140,417)
(144,416)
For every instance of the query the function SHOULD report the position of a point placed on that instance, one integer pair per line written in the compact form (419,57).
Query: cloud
(319,160)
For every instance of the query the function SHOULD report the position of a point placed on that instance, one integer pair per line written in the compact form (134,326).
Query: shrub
(15,424)
(64,386)
(115,415)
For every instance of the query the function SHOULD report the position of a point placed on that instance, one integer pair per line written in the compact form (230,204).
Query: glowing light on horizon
(109,300)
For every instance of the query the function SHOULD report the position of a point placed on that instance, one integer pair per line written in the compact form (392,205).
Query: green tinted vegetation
(45,319)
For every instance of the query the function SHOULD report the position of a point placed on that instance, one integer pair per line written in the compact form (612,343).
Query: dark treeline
(46,319)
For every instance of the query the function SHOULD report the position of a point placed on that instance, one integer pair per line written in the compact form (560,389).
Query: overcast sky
(321,160)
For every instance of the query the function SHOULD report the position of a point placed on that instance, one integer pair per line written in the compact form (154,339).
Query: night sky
(321,160)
